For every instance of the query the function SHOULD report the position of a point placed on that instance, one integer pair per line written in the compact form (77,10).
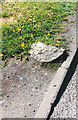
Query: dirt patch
(24,86)
(9,20)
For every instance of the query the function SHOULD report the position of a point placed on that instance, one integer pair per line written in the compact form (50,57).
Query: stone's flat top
(45,53)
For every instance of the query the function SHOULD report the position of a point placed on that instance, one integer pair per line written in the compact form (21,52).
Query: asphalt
(67,104)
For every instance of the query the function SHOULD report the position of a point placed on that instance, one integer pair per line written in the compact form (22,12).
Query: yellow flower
(22,44)
(65,18)
(48,34)
(29,19)
(22,26)
(57,45)
(13,30)
(34,21)
(19,29)
(1,55)
(24,21)
(20,37)
(50,17)
(65,12)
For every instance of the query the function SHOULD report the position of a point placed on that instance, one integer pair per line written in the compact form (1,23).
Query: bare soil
(23,87)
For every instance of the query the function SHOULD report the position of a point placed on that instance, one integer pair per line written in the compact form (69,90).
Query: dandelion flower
(29,19)
(22,44)
(34,21)
(1,55)
(19,29)
(65,18)
(13,30)
(22,26)
(48,34)
(24,21)
(57,45)
(20,37)
(65,12)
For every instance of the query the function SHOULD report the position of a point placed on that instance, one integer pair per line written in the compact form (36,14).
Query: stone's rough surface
(45,53)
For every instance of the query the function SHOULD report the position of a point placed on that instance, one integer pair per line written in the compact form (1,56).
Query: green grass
(50,66)
(0,93)
(39,21)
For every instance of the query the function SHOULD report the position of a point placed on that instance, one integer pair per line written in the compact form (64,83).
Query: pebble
(8,76)
(31,94)
(25,116)
(34,71)
(35,66)
(18,86)
(5,105)
(54,85)
(7,95)
(25,84)
(33,89)
(21,78)
(29,104)
(33,110)
(46,74)
(36,87)
(12,111)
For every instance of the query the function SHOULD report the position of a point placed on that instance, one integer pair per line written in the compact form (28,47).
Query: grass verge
(27,22)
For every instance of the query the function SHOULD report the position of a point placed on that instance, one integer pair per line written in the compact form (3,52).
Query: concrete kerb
(54,88)
(51,94)
(56,83)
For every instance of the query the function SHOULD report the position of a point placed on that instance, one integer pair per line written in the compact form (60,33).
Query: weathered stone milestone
(45,53)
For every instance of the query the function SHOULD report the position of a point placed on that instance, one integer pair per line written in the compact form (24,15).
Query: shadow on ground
(67,79)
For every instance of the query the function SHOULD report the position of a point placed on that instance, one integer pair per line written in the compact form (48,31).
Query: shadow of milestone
(58,60)
(67,79)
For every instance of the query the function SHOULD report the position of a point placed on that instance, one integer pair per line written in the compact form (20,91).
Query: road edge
(56,83)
